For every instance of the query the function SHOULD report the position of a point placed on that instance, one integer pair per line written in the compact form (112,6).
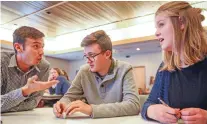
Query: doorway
(139,74)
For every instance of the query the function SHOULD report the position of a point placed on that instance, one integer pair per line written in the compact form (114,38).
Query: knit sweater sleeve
(154,94)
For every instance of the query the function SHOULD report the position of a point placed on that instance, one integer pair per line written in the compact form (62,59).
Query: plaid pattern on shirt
(13,79)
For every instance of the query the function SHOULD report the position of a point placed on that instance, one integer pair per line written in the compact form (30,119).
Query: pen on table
(168,106)
(64,113)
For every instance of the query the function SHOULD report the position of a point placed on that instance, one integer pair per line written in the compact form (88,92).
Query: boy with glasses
(104,87)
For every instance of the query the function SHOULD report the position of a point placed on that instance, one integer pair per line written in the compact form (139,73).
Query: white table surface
(46,116)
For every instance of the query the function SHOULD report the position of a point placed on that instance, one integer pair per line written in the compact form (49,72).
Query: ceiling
(57,18)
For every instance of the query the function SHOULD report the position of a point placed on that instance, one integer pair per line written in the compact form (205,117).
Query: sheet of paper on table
(78,115)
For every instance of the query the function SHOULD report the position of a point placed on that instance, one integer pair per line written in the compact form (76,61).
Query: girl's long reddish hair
(190,44)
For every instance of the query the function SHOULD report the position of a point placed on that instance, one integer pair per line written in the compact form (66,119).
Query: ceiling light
(138,49)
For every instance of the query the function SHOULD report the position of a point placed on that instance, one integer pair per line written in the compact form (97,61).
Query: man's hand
(58,109)
(33,85)
(78,106)
(194,116)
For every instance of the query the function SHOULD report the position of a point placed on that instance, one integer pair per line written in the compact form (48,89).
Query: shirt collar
(13,63)
(37,68)
(111,68)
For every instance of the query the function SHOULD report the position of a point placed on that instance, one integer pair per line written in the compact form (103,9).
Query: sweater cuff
(95,112)
(144,111)
(65,100)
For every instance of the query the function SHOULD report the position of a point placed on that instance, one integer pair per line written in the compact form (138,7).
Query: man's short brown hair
(99,37)
(21,33)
